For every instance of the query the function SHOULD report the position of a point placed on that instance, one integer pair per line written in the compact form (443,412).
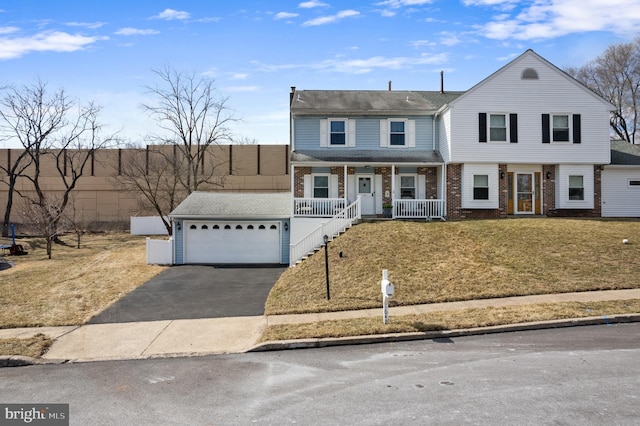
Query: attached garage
(237,228)
(621,181)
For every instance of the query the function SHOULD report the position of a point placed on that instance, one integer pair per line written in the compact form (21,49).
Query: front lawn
(451,261)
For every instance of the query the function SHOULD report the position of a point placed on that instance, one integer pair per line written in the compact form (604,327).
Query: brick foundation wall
(597,199)
(454,196)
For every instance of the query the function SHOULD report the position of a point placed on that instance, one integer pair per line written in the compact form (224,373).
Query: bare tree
(52,129)
(615,75)
(75,220)
(181,158)
(155,177)
(192,117)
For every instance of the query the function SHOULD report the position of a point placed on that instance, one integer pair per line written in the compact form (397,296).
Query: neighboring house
(232,228)
(621,181)
(527,140)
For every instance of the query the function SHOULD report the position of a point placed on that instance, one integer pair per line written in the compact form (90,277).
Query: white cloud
(90,25)
(499,4)
(211,19)
(449,39)
(51,41)
(323,20)
(421,43)
(239,76)
(546,19)
(8,30)
(395,4)
(128,31)
(361,66)
(311,4)
(284,15)
(171,14)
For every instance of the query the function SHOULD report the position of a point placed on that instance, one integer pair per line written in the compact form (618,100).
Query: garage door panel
(232,242)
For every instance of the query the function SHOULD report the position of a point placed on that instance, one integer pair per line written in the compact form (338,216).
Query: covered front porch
(397,191)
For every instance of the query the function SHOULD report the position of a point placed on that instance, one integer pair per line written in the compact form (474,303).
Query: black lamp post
(326,263)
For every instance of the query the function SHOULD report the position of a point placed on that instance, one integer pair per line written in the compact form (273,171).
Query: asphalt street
(193,292)
(579,375)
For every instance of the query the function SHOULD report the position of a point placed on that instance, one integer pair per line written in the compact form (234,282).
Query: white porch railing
(418,209)
(334,226)
(318,207)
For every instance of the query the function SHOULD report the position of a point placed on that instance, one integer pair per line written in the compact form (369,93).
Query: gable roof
(368,102)
(236,205)
(531,53)
(624,153)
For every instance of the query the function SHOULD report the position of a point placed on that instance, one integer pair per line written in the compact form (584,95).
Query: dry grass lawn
(453,320)
(450,261)
(34,347)
(75,284)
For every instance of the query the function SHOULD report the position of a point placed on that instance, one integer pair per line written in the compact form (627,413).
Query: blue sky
(105,51)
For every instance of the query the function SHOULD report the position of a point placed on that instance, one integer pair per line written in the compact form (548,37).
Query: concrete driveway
(194,292)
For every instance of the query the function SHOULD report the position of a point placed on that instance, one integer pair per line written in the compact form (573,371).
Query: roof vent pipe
(389,85)
(441,81)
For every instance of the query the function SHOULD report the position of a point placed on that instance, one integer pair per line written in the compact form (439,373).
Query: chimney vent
(389,85)
(441,81)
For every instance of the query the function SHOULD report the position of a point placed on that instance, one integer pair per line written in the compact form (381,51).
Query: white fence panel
(147,225)
(159,252)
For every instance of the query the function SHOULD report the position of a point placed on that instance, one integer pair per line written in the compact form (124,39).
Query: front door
(524,193)
(366,192)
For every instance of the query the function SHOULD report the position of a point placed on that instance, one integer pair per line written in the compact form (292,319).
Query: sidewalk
(99,342)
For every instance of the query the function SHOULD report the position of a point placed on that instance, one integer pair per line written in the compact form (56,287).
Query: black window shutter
(576,129)
(482,126)
(546,134)
(513,128)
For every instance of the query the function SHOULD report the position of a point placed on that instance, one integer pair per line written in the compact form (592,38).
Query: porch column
(443,193)
(345,186)
(393,182)
(293,190)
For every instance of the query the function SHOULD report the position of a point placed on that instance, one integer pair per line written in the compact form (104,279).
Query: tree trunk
(49,241)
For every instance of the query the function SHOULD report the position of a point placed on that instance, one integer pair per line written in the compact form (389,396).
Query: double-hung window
(337,132)
(576,188)
(480,187)
(397,136)
(560,128)
(320,186)
(497,127)
(408,187)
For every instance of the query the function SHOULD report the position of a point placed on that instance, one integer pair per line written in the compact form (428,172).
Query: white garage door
(621,192)
(232,242)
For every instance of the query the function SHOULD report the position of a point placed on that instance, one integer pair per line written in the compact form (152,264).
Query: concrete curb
(443,334)
(23,361)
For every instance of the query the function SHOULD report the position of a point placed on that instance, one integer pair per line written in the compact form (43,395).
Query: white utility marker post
(387,291)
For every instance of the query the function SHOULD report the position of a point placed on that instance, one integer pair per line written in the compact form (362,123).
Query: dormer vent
(529,74)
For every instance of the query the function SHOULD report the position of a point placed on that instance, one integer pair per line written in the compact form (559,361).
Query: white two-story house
(527,140)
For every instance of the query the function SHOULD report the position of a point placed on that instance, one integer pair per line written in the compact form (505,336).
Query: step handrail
(332,228)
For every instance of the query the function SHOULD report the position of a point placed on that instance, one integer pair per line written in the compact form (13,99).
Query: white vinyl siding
(470,178)
(553,92)
(619,197)
(566,175)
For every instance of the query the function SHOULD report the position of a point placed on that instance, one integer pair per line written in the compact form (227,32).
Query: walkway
(93,342)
